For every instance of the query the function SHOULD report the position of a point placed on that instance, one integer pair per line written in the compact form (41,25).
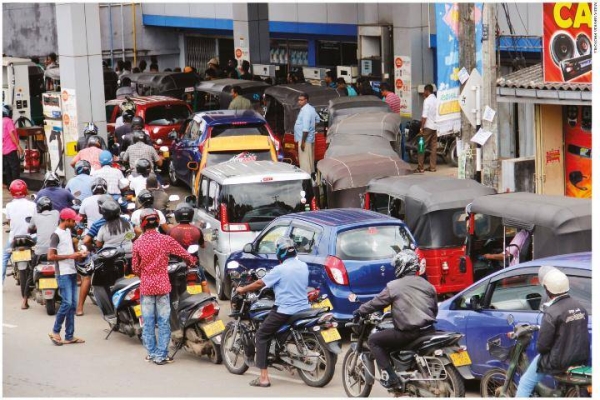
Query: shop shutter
(198,50)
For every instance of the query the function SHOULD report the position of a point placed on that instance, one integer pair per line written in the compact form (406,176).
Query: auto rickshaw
(342,180)
(281,103)
(52,82)
(343,106)
(343,145)
(179,85)
(374,124)
(555,224)
(433,208)
(216,94)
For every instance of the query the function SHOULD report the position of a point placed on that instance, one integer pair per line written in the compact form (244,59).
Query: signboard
(567,45)
(69,115)
(467,99)
(403,84)
(53,129)
(241,54)
(577,123)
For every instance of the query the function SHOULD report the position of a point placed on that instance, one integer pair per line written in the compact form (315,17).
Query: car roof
(223,117)
(144,100)
(342,217)
(253,171)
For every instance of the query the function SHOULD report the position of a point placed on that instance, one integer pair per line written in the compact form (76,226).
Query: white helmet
(556,282)
(544,269)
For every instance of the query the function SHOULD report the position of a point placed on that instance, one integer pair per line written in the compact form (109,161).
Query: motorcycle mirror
(129,235)
(248,248)
(28,219)
(193,249)
(191,199)
(353,298)
(233,265)
(33,197)
(173,197)
(261,272)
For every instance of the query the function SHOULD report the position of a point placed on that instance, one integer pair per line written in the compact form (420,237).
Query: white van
(236,200)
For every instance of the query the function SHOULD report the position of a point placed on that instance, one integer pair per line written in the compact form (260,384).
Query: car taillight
(227,227)
(422,261)
(47,270)
(133,295)
(313,204)
(206,311)
(336,270)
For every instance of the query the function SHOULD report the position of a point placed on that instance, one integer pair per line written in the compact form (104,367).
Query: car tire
(173,174)
(223,287)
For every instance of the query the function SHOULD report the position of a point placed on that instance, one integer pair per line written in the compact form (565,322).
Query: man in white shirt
(429,129)
(89,207)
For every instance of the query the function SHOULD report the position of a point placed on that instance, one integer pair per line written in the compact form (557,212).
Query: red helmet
(18,188)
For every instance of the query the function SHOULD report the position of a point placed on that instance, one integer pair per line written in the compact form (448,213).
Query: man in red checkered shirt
(391,98)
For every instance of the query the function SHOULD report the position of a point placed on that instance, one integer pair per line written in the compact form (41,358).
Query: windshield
(239,130)
(168,114)
(264,201)
(373,242)
(244,156)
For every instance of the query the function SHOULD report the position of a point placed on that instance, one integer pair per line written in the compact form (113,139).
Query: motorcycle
(498,382)
(44,285)
(446,144)
(433,365)
(308,343)
(21,254)
(195,326)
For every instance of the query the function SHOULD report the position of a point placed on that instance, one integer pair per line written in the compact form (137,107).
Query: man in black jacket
(414,311)
(563,339)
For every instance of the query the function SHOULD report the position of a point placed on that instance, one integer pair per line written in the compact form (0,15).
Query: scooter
(21,255)
(446,144)
(44,285)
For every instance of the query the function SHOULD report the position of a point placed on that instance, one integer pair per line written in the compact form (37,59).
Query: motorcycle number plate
(194,289)
(323,304)
(137,309)
(460,358)
(48,283)
(165,154)
(214,328)
(21,255)
(331,335)
(289,146)
(387,309)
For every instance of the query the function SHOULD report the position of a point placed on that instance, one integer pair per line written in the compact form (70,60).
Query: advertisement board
(567,49)
(578,151)
(403,84)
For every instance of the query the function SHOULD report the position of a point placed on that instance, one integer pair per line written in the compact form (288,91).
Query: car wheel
(223,287)
(173,175)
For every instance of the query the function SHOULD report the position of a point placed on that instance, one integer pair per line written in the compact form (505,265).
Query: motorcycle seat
(305,314)
(122,283)
(422,339)
(187,300)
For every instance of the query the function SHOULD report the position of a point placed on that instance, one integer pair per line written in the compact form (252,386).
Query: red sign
(553,156)
(238,53)
(399,84)
(578,150)
(567,44)
(398,62)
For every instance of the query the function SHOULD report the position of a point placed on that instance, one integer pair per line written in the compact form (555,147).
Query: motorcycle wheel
(455,383)
(326,362)
(577,392)
(451,155)
(173,175)
(492,382)
(355,382)
(232,354)
(214,354)
(51,307)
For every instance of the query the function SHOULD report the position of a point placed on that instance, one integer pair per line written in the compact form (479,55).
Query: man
(139,150)
(150,260)
(127,105)
(90,130)
(213,65)
(414,311)
(89,207)
(239,102)
(61,198)
(142,65)
(304,133)
(153,67)
(137,124)
(80,185)
(146,201)
(329,79)
(90,154)
(125,128)
(125,89)
(563,339)
(289,281)
(342,86)
(161,198)
(139,181)
(429,129)
(184,232)
(513,250)
(245,71)
(11,148)
(391,98)
(62,253)
(111,175)
(51,61)
(232,69)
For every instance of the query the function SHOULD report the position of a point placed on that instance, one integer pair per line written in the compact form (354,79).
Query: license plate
(165,154)
(387,309)
(21,255)
(137,309)
(194,289)
(331,335)
(48,283)
(460,358)
(323,304)
(289,146)
(213,328)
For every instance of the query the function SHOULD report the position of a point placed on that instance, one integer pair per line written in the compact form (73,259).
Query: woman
(117,232)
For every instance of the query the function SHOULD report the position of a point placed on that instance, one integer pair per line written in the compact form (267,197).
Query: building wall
(526,18)
(29,29)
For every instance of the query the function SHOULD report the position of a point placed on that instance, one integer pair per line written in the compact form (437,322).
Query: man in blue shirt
(80,185)
(304,133)
(61,198)
(289,281)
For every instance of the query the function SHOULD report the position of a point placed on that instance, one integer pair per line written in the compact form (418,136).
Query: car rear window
(239,130)
(373,242)
(218,157)
(168,114)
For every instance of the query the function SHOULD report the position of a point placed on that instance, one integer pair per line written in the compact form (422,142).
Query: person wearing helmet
(80,184)
(11,148)
(91,153)
(61,198)
(90,131)
(125,128)
(563,340)
(150,261)
(138,181)
(112,234)
(127,106)
(161,198)
(414,311)
(146,201)
(140,149)
(111,175)
(17,211)
(89,209)
(137,125)
(289,281)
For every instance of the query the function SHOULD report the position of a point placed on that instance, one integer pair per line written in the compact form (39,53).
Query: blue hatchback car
(347,251)
(513,291)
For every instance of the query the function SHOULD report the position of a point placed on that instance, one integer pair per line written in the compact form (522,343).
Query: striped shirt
(393,101)
(111,176)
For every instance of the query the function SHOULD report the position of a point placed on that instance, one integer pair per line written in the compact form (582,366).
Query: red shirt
(187,235)
(393,101)
(150,260)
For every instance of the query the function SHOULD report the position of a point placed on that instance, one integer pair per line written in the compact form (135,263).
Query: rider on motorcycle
(139,149)
(90,130)
(137,124)
(289,281)
(89,207)
(80,184)
(563,340)
(91,153)
(111,175)
(61,198)
(113,233)
(43,223)
(137,183)
(146,200)
(414,311)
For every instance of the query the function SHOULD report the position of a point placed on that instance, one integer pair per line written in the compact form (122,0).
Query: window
(217,157)
(581,290)
(202,196)
(304,239)
(168,114)
(213,200)
(239,130)
(464,301)
(517,293)
(266,245)
(459,224)
(191,132)
(373,242)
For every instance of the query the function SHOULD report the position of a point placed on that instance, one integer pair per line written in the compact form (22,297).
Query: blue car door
(307,238)
(263,255)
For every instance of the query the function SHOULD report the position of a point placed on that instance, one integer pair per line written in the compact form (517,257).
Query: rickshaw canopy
(343,106)
(342,145)
(382,124)
(252,90)
(163,83)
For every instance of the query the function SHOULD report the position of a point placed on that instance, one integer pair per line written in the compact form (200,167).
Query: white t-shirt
(135,217)
(430,106)
(89,208)
(17,211)
(137,184)
(62,242)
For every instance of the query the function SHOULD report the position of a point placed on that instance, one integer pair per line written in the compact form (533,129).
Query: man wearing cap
(563,339)
(63,254)
(213,64)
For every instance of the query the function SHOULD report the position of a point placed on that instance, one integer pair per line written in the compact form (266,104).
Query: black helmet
(90,129)
(99,186)
(142,167)
(6,111)
(184,213)
(94,141)
(51,179)
(85,267)
(128,115)
(110,210)
(139,136)
(44,203)
(149,219)
(405,262)
(146,198)
(137,121)
(285,248)
(103,199)
(83,167)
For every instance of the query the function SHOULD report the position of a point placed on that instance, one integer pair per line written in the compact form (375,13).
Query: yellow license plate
(165,154)
(289,146)
(323,304)
(213,328)
(137,309)
(460,358)
(194,289)
(21,255)
(48,283)
(387,309)
(331,335)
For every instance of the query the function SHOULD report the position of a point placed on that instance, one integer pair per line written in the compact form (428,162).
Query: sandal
(55,339)
(75,340)
(430,169)
(257,383)
(419,171)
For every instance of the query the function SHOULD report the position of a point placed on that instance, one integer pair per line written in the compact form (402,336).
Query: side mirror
(193,249)
(248,248)
(174,197)
(475,303)
(173,135)
(193,166)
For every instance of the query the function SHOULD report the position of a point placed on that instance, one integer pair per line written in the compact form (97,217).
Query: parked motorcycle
(308,343)
(22,246)
(446,144)
(44,285)
(498,382)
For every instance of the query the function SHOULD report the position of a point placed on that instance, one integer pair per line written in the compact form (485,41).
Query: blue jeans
(6,257)
(156,311)
(529,379)
(67,284)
